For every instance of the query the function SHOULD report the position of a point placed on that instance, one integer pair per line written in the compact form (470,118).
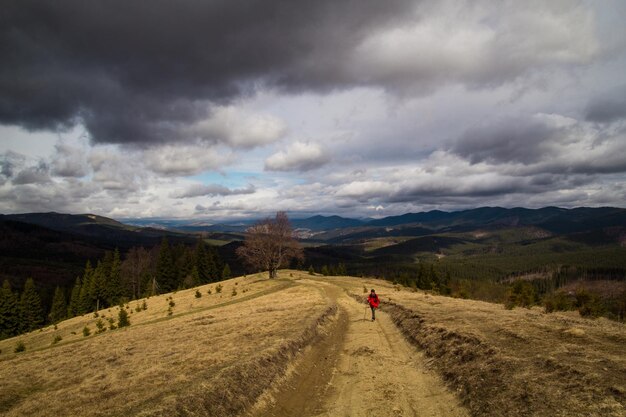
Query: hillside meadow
(212,356)
(520,362)
(229,353)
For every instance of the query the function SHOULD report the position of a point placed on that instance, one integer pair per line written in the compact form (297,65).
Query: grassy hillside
(520,362)
(218,354)
(220,347)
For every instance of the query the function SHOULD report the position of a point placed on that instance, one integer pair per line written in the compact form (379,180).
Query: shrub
(521,293)
(86,331)
(170,311)
(144,305)
(209,291)
(56,339)
(311,270)
(95,314)
(172,303)
(19,347)
(589,304)
(198,295)
(558,301)
(100,326)
(122,319)
(218,289)
(234,293)
(111,321)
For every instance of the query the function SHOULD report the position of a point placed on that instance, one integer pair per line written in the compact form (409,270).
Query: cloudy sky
(224,109)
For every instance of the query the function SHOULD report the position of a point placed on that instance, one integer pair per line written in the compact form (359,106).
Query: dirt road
(362,368)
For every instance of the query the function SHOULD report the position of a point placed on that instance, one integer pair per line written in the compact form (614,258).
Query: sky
(362,108)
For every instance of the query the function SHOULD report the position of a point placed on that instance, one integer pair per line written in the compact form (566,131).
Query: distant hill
(337,228)
(554,219)
(100,230)
(319,223)
(52,248)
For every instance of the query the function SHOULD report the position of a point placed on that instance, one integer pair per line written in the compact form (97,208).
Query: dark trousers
(373,312)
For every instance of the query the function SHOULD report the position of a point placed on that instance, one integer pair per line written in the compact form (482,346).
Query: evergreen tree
(122,318)
(98,290)
(30,307)
(86,303)
(202,263)
(114,282)
(74,308)
(58,311)
(165,273)
(9,311)
(216,263)
(226,272)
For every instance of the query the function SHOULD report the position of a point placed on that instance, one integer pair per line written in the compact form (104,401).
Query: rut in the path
(363,368)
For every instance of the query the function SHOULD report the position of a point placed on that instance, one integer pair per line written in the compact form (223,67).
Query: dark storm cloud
(508,140)
(140,71)
(608,108)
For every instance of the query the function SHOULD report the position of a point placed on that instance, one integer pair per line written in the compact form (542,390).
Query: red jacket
(373,300)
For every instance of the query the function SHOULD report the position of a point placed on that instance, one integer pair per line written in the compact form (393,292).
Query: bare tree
(134,267)
(270,244)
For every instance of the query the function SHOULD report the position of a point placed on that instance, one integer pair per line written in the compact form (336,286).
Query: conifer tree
(9,311)
(98,290)
(193,279)
(165,273)
(226,272)
(86,304)
(202,263)
(30,307)
(74,308)
(122,318)
(114,282)
(216,266)
(58,311)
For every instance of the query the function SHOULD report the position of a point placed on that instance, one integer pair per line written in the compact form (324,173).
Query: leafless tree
(270,244)
(136,264)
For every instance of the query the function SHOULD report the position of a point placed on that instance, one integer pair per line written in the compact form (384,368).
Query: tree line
(111,281)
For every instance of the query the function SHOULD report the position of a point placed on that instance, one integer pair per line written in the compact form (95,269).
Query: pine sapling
(122,320)
(100,326)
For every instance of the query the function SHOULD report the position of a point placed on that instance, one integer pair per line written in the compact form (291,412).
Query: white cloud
(184,160)
(212,190)
(238,128)
(299,156)
(69,161)
(476,43)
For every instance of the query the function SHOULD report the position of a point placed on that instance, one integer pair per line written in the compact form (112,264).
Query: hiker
(374,302)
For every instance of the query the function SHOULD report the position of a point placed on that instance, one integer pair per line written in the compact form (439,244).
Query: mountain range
(134,231)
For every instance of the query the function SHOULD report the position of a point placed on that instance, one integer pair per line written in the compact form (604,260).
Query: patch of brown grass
(212,357)
(521,362)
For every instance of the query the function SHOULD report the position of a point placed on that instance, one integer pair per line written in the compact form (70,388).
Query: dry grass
(213,357)
(185,302)
(517,363)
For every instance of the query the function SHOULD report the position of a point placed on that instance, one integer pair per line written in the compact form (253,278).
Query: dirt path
(363,368)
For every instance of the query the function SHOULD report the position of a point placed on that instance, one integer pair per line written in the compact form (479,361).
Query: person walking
(374,302)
